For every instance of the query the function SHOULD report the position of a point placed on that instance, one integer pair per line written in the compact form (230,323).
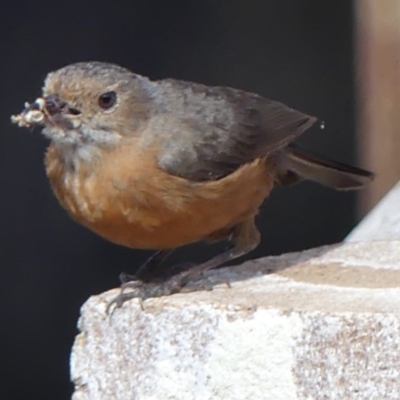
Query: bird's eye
(107,100)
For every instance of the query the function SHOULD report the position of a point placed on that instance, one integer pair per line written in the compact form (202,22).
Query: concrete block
(383,221)
(320,324)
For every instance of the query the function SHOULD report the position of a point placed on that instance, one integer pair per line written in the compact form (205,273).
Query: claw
(143,291)
(118,301)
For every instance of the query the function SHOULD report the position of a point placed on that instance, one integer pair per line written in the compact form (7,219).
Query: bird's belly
(158,210)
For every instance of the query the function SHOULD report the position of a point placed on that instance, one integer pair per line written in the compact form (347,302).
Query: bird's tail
(295,164)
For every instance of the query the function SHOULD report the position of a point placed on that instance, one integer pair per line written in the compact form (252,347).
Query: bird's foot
(142,289)
(159,276)
(137,289)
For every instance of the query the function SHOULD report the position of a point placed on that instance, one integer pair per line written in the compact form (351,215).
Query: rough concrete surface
(383,222)
(321,324)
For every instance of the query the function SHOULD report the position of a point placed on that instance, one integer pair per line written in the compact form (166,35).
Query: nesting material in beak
(33,114)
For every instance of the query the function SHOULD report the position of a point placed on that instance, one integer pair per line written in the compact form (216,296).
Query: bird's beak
(53,105)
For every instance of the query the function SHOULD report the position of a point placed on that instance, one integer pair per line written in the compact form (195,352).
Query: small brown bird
(161,164)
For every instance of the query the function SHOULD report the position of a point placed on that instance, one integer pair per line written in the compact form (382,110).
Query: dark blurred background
(297,51)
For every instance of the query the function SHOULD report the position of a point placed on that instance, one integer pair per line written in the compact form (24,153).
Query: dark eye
(107,100)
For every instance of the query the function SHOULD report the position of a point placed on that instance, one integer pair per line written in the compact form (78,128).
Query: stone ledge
(383,222)
(328,327)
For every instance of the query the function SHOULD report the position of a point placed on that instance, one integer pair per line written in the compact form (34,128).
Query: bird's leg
(245,238)
(148,271)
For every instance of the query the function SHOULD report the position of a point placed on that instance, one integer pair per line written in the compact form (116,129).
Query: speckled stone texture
(383,222)
(321,324)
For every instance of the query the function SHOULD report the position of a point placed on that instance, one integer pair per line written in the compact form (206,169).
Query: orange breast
(124,197)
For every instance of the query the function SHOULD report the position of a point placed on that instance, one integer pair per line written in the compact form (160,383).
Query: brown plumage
(161,164)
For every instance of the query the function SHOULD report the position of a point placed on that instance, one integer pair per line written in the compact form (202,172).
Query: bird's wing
(209,132)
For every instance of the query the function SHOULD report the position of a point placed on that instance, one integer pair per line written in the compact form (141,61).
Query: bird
(159,164)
